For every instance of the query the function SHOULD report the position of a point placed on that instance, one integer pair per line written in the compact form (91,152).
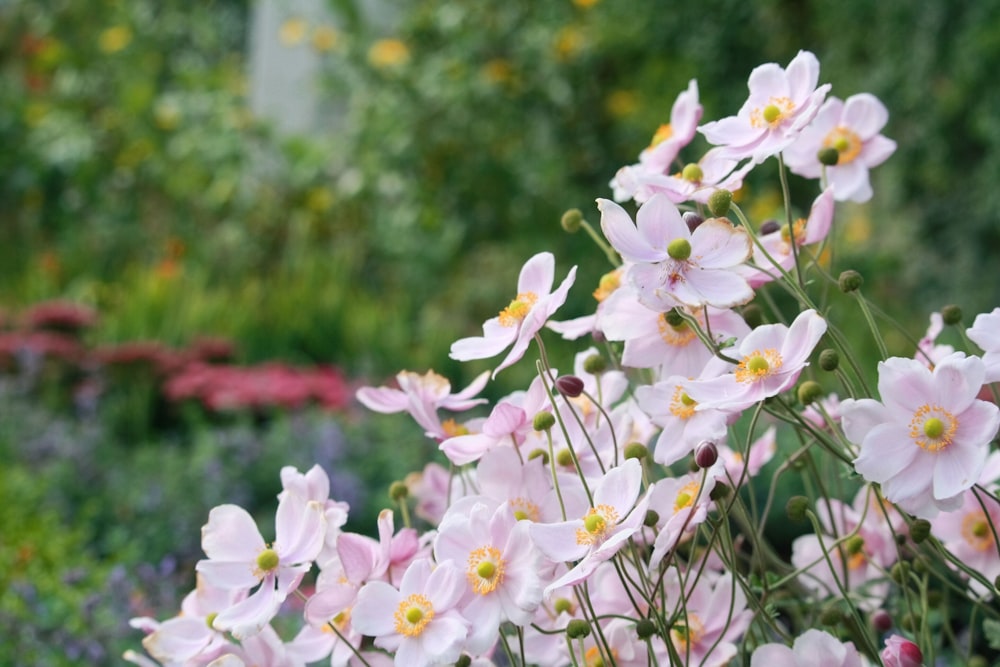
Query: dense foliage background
(136,181)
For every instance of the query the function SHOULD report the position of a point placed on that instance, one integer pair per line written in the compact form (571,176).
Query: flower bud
(651,519)
(595,364)
(645,628)
(912,621)
(796,508)
(398,491)
(577,628)
(636,450)
(900,652)
(828,156)
(679,249)
(569,386)
(900,572)
(753,316)
(881,621)
(831,616)
(543,421)
(564,457)
(464,660)
(706,454)
(809,392)
(692,172)
(829,359)
(572,220)
(692,220)
(920,529)
(539,454)
(719,201)
(977,661)
(850,281)
(768,227)
(563,605)
(673,317)
(951,314)
(719,492)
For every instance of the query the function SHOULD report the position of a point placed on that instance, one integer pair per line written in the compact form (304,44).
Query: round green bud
(977,661)
(636,450)
(900,539)
(796,508)
(828,156)
(651,519)
(679,249)
(809,392)
(267,560)
(850,281)
(674,318)
(645,628)
(572,220)
(912,622)
(692,172)
(210,619)
(829,359)
(719,201)
(398,491)
(539,453)
(854,545)
(753,315)
(564,457)
(543,421)
(921,565)
(595,364)
(577,629)
(934,598)
(951,314)
(719,492)
(900,572)
(464,660)
(831,616)
(772,112)
(920,529)
(563,605)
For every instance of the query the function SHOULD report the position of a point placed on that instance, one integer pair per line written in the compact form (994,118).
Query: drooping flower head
(853,129)
(670,265)
(525,316)
(782,102)
(927,441)
(985,332)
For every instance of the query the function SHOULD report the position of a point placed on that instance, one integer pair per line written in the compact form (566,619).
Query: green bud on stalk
(850,281)
(577,629)
(719,202)
(829,359)
(951,315)
(572,220)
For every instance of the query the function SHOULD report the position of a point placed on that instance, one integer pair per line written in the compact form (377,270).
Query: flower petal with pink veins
(231,535)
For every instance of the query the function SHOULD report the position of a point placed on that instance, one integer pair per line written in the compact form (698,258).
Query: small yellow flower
(292,31)
(319,199)
(388,53)
(568,43)
(497,70)
(115,38)
(621,103)
(325,38)
(585,4)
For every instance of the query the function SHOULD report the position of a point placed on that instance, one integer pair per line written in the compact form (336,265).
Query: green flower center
(679,249)
(771,113)
(693,173)
(757,364)
(486,569)
(267,560)
(594,523)
(414,615)
(933,427)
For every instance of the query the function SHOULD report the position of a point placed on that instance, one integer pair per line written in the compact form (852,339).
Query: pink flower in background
(420,621)
(782,102)
(696,181)
(901,652)
(422,396)
(852,127)
(713,616)
(985,332)
(770,360)
(683,426)
(524,317)
(968,533)
(811,649)
(658,158)
(760,452)
(239,559)
(928,351)
(927,441)
(778,243)
(672,266)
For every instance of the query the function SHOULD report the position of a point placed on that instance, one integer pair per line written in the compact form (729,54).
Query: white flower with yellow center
(927,441)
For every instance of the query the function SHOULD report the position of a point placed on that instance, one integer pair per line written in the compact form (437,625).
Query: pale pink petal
(803,75)
(977,425)
(716,287)
(537,274)
(659,222)
(769,80)
(820,217)
(803,335)
(300,529)
(178,639)
(445,586)
(917,479)
(850,182)
(558,540)
(496,340)
(904,384)
(957,469)
(464,400)
(624,236)
(231,534)
(358,555)
(620,487)
(382,399)
(372,614)
(877,150)
(957,381)
(229,574)
(249,617)
(718,244)
(858,417)
(886,451)
(865,115)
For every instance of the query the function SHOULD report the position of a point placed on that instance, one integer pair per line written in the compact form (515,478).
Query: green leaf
(991,629)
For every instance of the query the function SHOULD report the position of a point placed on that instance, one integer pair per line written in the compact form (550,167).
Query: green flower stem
(787,197)
(876,334)
(609,252)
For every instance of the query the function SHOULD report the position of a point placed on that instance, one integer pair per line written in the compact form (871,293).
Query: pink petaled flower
(422,396)
(901,652)
(968,533)
(928,439)
(595,537)
(713,616)
(777,244)
(809,648)
(239,559)
(524,317)
(658,158)
(419,622)
(672,266)
(985,332)
(928,351)
(770,360)
(668,405)
(852,128)
(502,569)
(740,467)
(781,104)
(695,182)
(682,504)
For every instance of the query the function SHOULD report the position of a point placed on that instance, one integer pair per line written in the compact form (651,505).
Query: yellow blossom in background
(388,53)
(621,103)
(319,199)
(858,228)
(167,115)
(497,70)
(134,153)
(292,31)
(325,38)
(35,112)
(114,39)
(568,43)
(585,4)
(765,205)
